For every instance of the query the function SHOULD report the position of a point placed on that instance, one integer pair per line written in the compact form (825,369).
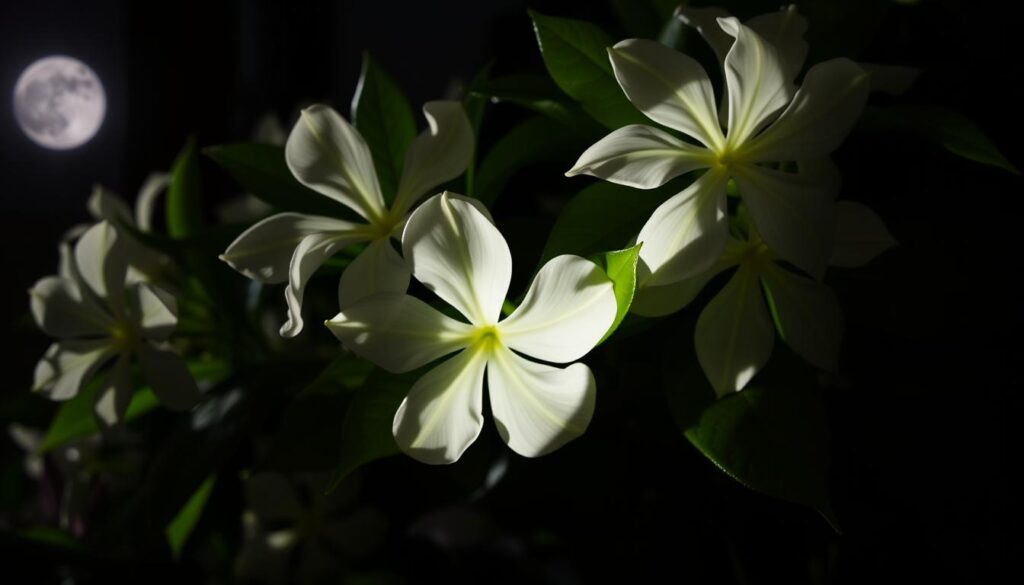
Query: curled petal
(398,332)
(62,310)
(566,312)
(860,235)
(312,251)
(115,395)
(734,336)
(792,213)
(68,364)
(808,316)
(784,29)
(640,156)
(264,251)
(439,154)
(758,85)
(819,117)
(377,269)
(668,87)
(154,186)
(156,311)
(328,155)
(167,375)
(443,413)
(686,233)
(538,408)
(102,264)
(456,252)
(705,20)
(104,205)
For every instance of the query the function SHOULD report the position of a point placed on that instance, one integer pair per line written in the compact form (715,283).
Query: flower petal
(705,20)
(155,310)
(312,251)
(808,316)
(668,87)
(457,253)
(641,157)
(66,365)
(686,233)
(264,251)
(104,205)
(439,154)
(62,310)
(658,301)
(329,156)
(784,29)
(566,312)
(860,235)
(167,375)
(792,213)
(758,85)
(115,395)
(443,413)
(377,269)
(398,332)
(145,204)
(102,264)
(819,117)
(734,336)
(538,408)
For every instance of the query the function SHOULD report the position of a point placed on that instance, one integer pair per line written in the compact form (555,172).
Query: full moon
(59,102)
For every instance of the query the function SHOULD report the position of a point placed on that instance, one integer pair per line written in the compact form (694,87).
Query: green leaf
(181,526)
(771,437)
(475,105)
(75,418)
(576,55)
(535,140)
(620,266)
(51,536)
(540,94)
(366,429)
(261,170)
(184,209)
(382,115)
(603,216)
(950,130)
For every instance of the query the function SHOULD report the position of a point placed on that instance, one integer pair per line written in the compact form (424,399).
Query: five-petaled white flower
(767,122)
(97,317)
(328,155)
(454,250)
(734,336)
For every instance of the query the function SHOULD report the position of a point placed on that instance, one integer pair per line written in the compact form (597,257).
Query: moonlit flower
(98,318)
(455,251)
(767,123)
(329,156)
(735,332)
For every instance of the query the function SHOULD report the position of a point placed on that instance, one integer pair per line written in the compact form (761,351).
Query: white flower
(735,331)
(329,156)
(457,253)
(98,318)
(767,123)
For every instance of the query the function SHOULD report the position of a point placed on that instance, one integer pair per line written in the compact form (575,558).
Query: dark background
(922,439)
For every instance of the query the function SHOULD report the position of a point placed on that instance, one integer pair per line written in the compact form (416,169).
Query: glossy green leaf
(620,266)
(950,130)
(575,53)
(771,437)
(535,140)
(261,170)
(383,117)
(181,526)
(183,201)
(539,94)
(366,429)
(75,418)
(603,216)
